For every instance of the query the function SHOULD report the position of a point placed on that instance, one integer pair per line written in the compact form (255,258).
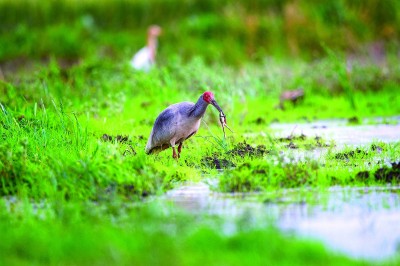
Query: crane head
(154,30)
(208,97)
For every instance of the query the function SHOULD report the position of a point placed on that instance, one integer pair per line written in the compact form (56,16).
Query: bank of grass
(48,153)
(281,168)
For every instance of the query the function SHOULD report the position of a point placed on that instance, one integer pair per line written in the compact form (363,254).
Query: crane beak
(215,104)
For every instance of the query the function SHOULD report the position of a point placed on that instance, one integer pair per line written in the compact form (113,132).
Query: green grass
(276,170)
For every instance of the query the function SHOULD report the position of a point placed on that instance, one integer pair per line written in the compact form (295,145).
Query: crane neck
(152,45)
(199,108)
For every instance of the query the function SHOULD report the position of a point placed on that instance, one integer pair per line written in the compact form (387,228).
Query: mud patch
(127,143)
(388,175)
(243,149)
(362,176)
(292,138)
(384,174)
(291,145)
(259,121)
(354,120)
(127,190)
(350,154)
(376,148)
(118,138)
(215,162)
(358,152)
(320,143)
(302,141)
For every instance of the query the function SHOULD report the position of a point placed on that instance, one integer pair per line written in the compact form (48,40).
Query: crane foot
(174,154)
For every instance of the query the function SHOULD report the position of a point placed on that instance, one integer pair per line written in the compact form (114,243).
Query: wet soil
(117,138)
(243,149)
(351,154)
(122,139)
(291,145)
(388,175)
(363,176)
(292,137)
(385,175)
(358,153)
(354,120)
(217,163)
(340,132)
(296,142)
(260,121)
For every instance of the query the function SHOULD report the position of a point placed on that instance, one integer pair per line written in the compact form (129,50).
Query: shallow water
(362,222)
(359,222)
(341,133)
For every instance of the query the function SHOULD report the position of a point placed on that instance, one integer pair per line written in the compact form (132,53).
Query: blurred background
(226,31)
(259,48)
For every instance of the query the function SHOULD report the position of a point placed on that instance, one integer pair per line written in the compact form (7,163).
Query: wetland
(309,174)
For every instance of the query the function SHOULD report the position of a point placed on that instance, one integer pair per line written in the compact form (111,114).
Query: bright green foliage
(48,152)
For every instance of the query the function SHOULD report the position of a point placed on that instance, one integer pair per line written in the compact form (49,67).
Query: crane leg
(174,154)
(180,148)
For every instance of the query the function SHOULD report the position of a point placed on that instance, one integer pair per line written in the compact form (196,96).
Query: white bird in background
(145,58)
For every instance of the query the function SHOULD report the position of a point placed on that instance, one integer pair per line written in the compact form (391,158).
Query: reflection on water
(360,222)
(363,222)
(335,132)
(341,133)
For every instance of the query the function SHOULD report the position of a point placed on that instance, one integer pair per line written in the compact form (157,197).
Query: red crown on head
(208,96)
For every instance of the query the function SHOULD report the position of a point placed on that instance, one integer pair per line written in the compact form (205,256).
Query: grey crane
(177,123)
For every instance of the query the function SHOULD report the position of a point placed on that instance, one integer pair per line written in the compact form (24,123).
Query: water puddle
(336,135)
(341,133)
(360,222)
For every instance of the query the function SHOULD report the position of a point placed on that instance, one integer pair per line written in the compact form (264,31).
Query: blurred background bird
(145,58)
(177,123)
